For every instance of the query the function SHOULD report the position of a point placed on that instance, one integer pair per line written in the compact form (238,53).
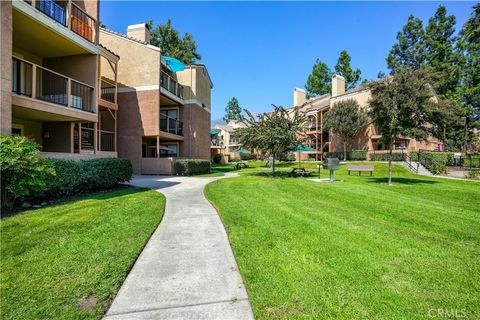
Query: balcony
(171,85)
(108,91)
(69,15)
(40,83)
(106,140)
(171,125)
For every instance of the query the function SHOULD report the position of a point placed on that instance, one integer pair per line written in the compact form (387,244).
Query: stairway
(422,171)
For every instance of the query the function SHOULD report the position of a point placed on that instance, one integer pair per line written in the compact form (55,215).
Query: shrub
(248,156)
(234,160)
(472,174)
(217,158)
(188,167)
(290,157)
(435,162)
(74,177)
(356,155)
(385,156)
(23,171)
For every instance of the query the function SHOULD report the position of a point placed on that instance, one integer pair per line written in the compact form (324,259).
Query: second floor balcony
(171,125)
(70,15)
(37,82)
(171,85)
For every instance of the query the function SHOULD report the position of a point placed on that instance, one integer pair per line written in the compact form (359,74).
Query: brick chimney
(139,32)
(298,97)
(338,85)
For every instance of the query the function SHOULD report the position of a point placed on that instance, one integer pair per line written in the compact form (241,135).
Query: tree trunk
(390,167)
(344,151)
(273,164)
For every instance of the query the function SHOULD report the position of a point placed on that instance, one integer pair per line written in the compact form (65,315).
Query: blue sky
(260,51)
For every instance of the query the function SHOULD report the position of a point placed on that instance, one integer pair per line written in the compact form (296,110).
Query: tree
(272,132)
(343,68)
(410,49)
(469,46)
(400,105)
(232,111)
(171,44)
(448,118)
(319,81)
(346,119)
(441,54)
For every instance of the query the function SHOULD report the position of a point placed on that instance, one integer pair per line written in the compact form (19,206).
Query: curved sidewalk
(187,269)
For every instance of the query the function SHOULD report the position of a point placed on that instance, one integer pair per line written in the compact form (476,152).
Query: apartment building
(368,139)
(58,85)
(224,140)
(162,115)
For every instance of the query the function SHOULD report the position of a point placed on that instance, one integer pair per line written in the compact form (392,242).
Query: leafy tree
(410,49)
(469,45)
(232,110)
(400,105)
(272,132)
(346,119)
(172,45)
(23,172)
(319,81)
(441,54)
(343,68)
(447,120)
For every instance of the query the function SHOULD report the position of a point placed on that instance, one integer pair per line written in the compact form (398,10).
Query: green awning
(302,148)
(240,150)
(212,132)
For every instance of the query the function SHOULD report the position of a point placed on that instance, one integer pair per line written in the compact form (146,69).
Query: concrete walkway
(187,269)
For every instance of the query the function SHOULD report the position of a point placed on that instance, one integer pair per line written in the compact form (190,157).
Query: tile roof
(124,36)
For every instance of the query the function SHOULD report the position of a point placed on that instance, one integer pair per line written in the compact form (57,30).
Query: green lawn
(356,249)
(67,261)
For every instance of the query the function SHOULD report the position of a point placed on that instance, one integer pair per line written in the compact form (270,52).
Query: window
(17,129)
(172,113)
(168,150)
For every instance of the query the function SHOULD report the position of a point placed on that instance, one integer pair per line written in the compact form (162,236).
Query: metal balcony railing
(171,125)
(68,14)
(171,85)
(34,81)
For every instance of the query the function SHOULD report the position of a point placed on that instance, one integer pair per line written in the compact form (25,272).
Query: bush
(234,160)
(355,155)
(248,156)
(217,158)
(23,171)
(188,167)
(435,162)
(74,177)
(385,156)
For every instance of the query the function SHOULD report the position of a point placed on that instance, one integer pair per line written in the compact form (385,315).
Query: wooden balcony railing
(43,84)
(106,140)
(108,91)
(171,85)
(69,15)
(171,125)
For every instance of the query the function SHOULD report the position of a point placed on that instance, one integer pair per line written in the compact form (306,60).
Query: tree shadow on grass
(399,180)
(118,191)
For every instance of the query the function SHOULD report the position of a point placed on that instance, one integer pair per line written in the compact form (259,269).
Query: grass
(356,249)
(208,175)
(67,261)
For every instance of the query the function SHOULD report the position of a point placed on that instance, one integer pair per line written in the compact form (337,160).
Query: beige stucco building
(82,92)
(162,115)
(368,139)
(58,85)
(224,140)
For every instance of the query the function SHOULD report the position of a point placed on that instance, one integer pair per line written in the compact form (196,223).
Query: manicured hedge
(385,156)
(74,177)
(435,162)
(355,155)
(188,167)
(248,156)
